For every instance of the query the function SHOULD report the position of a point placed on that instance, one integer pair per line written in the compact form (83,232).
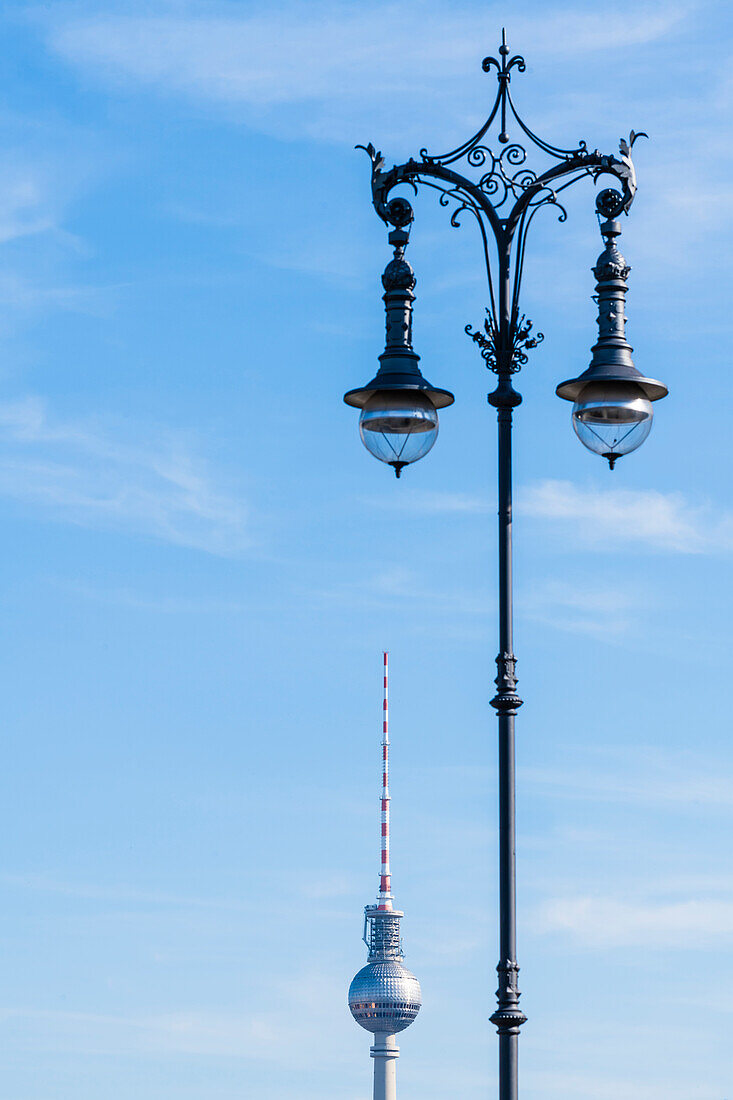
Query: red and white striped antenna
(384,901)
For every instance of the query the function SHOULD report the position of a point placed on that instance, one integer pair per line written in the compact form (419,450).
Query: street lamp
(612,400)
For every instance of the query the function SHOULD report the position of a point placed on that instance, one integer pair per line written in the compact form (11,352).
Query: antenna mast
(385,899)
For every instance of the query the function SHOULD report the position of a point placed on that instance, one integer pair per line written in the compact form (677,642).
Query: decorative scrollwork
(488,343)
(547,196)
(475,151)
(505,65)
(476,156)
(464,203)
(514,154)
(523,339)
(500,358)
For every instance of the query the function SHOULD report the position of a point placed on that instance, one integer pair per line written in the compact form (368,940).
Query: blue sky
(201,564)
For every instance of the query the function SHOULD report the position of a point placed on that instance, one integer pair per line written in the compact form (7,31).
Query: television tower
(384,997)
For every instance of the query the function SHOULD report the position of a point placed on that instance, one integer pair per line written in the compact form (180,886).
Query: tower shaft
(385,1053)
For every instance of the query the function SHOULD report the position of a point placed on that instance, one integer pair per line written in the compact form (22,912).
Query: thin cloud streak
(645,519)
(601,612)
(266,1035)
(641,519)
(39,176)
(255,1036)
(602,1086)
(427,502)
(656,778)
(20,295)
(323,56)
(610,922)
(398,586)
(116,893)
(133,600)
(76,473)
(24,205)
(36,188)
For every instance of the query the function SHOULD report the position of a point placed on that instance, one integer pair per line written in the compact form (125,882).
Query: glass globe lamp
(398,426)
(612,418)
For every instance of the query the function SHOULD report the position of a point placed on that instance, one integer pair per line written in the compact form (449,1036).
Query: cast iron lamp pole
(612,411)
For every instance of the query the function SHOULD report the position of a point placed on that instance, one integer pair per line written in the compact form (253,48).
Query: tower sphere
(385,996)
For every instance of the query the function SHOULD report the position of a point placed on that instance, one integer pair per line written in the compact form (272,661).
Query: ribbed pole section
(508,1017)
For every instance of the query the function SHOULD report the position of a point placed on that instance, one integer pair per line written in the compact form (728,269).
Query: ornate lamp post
(612,400)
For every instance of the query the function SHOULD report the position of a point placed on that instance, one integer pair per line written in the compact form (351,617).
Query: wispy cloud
(127,895)
(45,165)
(596,518)
(41,170)
(396,586)
(332,58)
(25,204)
(437,503)
(255,1035)
(650,776)
(330,887)
(21,295)
(672,910)
(611,922)
(159,604)
(613,518)
(605,1085)
(601,611)
(331,72)
(78,473)
(263,1035)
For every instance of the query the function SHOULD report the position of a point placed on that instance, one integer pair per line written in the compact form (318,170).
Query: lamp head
(612,401)
(399,407)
